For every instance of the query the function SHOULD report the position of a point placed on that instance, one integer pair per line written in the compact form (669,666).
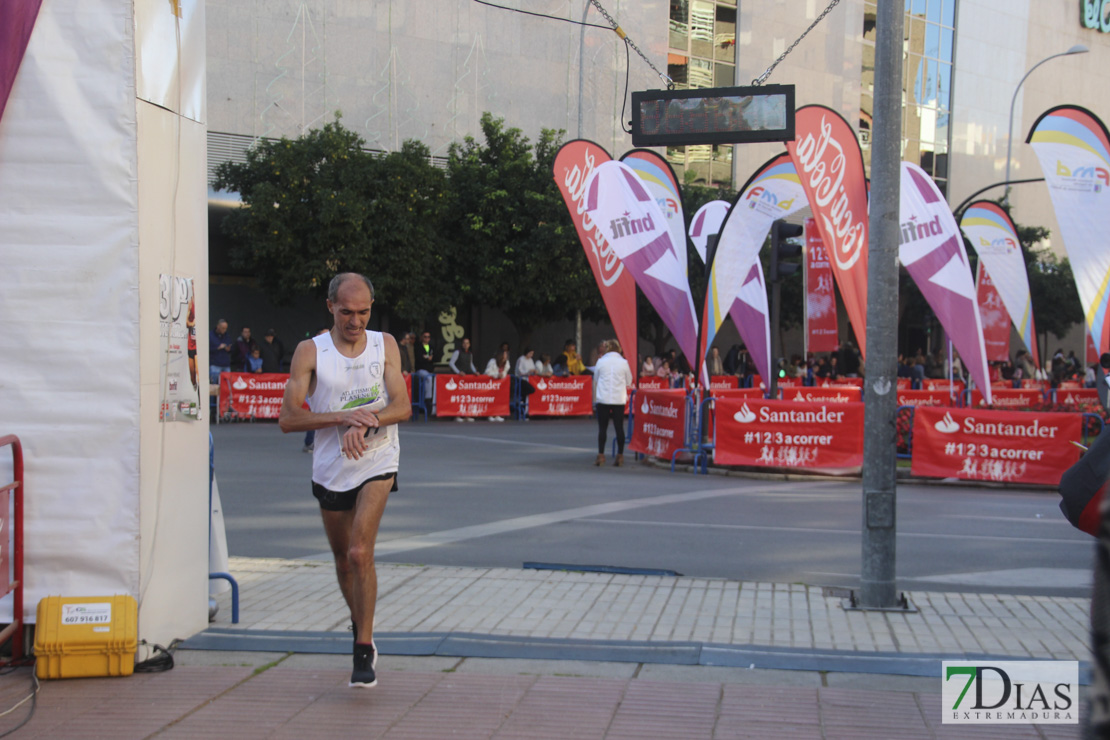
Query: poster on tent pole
(180,381)
(1073,147)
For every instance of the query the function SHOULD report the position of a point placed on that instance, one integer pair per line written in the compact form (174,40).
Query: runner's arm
(399,408)
(294,417)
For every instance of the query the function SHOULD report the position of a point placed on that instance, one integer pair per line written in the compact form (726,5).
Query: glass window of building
(926,84)
(702,54)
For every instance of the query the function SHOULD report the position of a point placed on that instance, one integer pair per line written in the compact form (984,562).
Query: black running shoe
(362,677)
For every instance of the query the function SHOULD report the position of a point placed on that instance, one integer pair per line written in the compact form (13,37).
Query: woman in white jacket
(612,378)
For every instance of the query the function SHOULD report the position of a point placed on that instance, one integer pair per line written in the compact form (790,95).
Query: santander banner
(789,434)
(974,444)
(820,328)
(252,394)
(827,157)
(1008,398)
(736,285)
(618,202)
(925,398)
(471,395)
(724,382)
(996,321)
(1075,397)
(574,163)
(569,396)
(995,238)
(932,249)
(1073,147)
(658,422)
(805,394)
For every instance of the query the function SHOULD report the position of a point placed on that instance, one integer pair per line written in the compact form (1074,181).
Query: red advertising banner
(723,382)
(1013,398)
(653,382)
(408,385)
(975,444)
(996,320)
(471,395)
(739,393)
(832,394)
(820,320)
(1076,397)
(1033,383)
(842,383)
(789,434)
(943,384)
(829,162)
(568,396)
(905,384)
(256,395)
(790,383)
(658,422)
(573,164)
(925,398)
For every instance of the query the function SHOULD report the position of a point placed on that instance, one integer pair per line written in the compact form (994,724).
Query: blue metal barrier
(419,403)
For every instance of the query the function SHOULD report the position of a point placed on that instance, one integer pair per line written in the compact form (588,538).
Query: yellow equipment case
(78,637)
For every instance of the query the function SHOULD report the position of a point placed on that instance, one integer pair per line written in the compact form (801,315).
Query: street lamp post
(1077,49)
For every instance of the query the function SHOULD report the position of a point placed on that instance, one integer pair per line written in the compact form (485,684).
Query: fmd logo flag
(1010,692)
(736,283)
(1073,147)
(994,237)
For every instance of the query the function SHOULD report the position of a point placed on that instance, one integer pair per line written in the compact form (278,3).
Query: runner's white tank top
(345,383)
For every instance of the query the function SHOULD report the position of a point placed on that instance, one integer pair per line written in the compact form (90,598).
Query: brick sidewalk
(297,702)
(303,595)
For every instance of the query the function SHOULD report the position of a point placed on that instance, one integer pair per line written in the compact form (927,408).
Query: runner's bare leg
(337,526)
(360,555)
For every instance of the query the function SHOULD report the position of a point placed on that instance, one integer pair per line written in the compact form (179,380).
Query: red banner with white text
(844,394)
(658,422)
(925,398)
(820,321)
(996,320)
(574,163)
(977,444)
(829,162)
(567,396)
(257,395)
(1076,397)
(723,382)
(471,395)
(789,434)
(1008,398)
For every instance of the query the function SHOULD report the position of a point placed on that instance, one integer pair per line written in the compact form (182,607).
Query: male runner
(352,381)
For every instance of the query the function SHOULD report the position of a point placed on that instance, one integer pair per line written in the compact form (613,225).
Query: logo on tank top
(349,368)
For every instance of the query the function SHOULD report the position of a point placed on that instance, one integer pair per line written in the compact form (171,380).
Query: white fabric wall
(87,178)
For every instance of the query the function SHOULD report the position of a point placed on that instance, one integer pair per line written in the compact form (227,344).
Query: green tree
(517,250)
(321,204)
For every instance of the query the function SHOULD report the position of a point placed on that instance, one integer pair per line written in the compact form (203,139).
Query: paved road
(486,494)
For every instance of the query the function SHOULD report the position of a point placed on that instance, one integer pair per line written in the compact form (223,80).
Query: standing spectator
(498,367)
(648,367)
(254,362)
(462,359)
(408,356)
(508,354)
(849,359)
(272,352)
(714,363)
(569,363)
(219,352)
(425,362)
(612,377)
(525,364)
(241,353)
